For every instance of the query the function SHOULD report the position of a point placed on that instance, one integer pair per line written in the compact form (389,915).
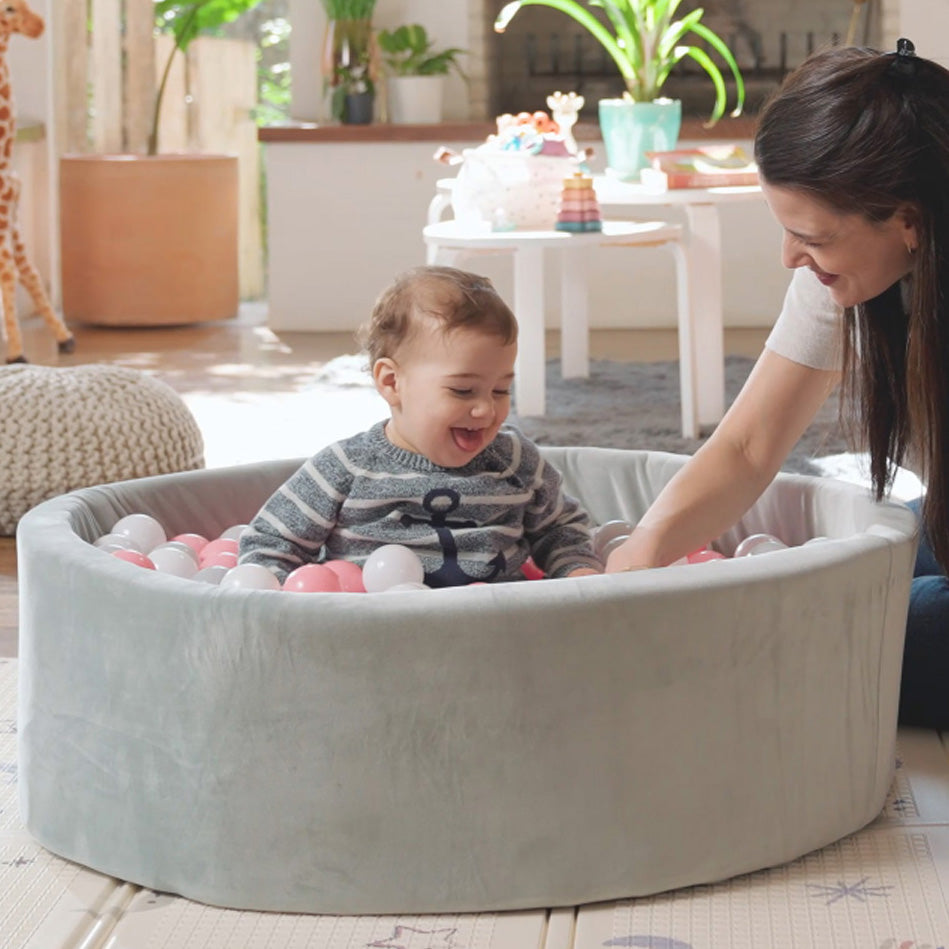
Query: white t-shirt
(809,329)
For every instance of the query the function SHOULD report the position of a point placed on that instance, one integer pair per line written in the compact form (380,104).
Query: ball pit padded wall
(494,747)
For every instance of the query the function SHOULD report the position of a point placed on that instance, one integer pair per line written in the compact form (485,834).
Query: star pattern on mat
(403,936)
(18,862)
(858,891)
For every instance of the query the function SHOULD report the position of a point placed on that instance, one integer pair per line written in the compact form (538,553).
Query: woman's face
(854,257)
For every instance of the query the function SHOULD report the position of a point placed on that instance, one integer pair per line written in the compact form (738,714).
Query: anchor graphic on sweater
(440,503)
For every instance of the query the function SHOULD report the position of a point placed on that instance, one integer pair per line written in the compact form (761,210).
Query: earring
(910,249)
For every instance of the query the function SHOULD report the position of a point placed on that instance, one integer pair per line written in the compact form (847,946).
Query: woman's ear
(385,374)
(909,218)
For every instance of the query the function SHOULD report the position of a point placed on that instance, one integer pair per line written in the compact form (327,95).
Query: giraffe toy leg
(30,278)
(11,325)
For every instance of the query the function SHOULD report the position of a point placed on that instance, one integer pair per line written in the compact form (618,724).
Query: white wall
(344,219)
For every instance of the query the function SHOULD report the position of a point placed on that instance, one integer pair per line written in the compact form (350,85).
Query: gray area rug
(636,405)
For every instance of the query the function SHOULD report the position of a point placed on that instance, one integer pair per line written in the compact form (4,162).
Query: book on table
(709,166)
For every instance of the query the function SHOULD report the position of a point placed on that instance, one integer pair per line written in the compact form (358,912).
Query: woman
(853,155)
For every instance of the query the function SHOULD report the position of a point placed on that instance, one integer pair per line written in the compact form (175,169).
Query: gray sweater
(478,522)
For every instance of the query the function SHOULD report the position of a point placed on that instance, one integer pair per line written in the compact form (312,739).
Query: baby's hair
(453,298)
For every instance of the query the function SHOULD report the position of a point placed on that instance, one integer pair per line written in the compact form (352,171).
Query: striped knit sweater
(478,522)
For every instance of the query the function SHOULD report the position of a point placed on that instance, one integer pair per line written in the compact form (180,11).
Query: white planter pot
(415,100)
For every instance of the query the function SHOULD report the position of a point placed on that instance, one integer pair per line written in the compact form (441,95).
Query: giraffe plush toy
(17,17)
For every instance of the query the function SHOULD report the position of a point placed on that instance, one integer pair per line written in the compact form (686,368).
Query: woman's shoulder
(809,328)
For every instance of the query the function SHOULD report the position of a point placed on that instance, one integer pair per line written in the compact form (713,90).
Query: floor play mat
(886,887)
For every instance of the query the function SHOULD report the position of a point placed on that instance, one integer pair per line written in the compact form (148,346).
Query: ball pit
(491,747)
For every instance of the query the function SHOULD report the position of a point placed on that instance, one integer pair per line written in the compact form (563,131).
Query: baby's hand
(584,572)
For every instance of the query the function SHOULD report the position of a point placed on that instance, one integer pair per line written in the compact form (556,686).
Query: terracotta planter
(149,241)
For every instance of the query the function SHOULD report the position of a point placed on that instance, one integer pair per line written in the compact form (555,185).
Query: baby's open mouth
(468,439)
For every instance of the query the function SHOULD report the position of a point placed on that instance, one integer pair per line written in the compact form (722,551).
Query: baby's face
(453,392)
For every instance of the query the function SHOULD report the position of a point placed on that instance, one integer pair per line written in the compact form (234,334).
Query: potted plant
(153,239)
(415,73)
(645,41)
(350,60)
(353,95)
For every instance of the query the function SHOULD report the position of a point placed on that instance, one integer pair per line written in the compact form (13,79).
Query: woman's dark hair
(867,133)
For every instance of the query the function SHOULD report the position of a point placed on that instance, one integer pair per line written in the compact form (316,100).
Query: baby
(443,475)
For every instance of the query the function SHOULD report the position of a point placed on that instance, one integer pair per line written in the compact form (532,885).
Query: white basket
(512,189)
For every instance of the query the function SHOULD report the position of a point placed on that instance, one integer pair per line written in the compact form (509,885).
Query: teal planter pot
(630,129)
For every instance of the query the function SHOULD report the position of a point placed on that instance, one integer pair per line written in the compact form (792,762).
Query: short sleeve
(809,329)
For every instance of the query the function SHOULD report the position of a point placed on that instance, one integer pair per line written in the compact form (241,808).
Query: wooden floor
(243,355)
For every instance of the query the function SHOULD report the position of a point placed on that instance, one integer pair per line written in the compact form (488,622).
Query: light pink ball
(312,578)
(349,574)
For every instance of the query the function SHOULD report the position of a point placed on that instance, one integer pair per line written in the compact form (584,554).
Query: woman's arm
(727,474)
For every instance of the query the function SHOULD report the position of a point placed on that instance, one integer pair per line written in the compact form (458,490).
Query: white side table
(446,240)
(705,266)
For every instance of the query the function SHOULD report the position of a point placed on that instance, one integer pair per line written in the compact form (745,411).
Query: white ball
(606,533)
(116,542)
(405,587)
(249,576)
(816,540)
(234,532)
(179,545)
(603,551)
(173,560)
(750,545)
(213,574)
(389,566)
(143,529)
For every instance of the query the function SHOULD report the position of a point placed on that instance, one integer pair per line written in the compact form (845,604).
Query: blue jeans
(924,693)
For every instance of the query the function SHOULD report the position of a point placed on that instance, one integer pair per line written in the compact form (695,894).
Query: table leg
(530,368)
(708,368)
(574,322)
(687,356)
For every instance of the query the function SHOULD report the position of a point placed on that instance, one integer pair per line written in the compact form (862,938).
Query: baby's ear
(385,374)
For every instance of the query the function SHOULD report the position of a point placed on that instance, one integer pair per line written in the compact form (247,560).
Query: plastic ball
(531,571)
(407,587)
(759,544)
(223,558)
(214,547)
(174,560)
(816,540)
(116,541)
(195,541)
(186,549)
(349,574)
(249,576)
(143,529)
(611,545)
(135,557)
(706,555)
(233,532)
(605,533)
(390,565)
(312,578)
(212,574)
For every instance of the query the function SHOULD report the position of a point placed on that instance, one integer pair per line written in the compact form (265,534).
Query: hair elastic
(904,60)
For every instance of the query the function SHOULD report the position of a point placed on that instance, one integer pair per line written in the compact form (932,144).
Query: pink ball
(312,578)
(531,571)
(704,556)
(223,558)
(214,547)
(133,556)
(195,541)
(349,574)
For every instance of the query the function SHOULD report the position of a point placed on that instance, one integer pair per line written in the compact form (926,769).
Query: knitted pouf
(67,428)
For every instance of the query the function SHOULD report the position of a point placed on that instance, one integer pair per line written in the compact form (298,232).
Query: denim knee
(924,693)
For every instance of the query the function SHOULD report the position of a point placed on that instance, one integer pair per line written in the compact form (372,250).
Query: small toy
(565,108)
(349,574)
(142,529)
(249,576)
(759,544)
(172,559)
(531,571)
(312,578)
(579,209)
(390,565)
(17,17)
(133,557)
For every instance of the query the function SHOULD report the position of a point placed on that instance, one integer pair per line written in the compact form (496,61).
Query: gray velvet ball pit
(523,745)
